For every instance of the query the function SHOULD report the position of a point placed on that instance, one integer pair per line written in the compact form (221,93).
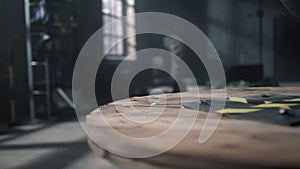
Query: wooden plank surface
(235,143)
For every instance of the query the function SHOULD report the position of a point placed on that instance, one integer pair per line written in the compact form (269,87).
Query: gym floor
(60,145)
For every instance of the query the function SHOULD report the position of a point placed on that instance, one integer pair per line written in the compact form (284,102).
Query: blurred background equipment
(258,42)
(12,86)
(45,29)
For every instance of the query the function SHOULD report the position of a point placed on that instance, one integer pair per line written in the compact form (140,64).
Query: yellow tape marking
(268,102)
(293,100)
(277,105)
(238,99)
(237,111)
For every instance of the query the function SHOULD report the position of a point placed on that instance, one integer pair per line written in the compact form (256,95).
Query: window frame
(125,42)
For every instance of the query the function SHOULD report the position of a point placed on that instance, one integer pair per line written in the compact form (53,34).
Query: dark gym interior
(258,42)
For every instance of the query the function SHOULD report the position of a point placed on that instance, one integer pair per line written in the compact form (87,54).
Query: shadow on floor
(65,155)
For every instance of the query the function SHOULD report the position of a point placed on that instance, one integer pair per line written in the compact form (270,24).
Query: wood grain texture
(235,143)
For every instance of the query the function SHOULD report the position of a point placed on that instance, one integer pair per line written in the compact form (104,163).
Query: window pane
(130,10)
(113,9)
(118,49)
(116,29)
(130,2)
(106,6)
(131,50)
(131,53)
(118,8)
(110,41)
(130,30)
(131,41)
(131,21)
(107,19)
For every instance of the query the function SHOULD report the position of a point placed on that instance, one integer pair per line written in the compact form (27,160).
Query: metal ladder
(33,64)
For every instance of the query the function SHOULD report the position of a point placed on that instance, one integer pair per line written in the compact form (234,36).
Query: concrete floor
(59,145)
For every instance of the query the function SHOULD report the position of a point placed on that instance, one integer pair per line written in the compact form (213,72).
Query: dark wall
(88,17)
(12,42)
(287,48)
(231,25)
(194,11)
(88,20)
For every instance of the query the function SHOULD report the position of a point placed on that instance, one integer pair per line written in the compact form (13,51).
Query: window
(115,9)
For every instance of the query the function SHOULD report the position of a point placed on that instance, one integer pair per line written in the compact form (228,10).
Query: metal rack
(33,64)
